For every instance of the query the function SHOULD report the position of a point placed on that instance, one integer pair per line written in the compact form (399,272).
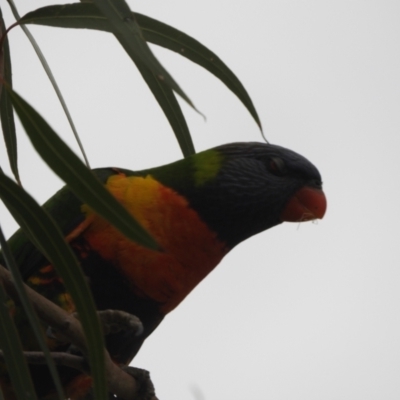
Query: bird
(197,209)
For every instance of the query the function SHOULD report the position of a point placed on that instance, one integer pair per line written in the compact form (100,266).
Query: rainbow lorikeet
(197,209)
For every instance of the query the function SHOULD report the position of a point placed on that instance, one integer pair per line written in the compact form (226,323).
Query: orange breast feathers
(190,250)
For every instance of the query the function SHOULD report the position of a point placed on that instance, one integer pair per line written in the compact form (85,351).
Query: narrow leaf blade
(166,36)
(12,350)
(85,15)
(30,312)
(172,110)
(13,353)
(47,237)
(6,112)
(71,169)
(128,32)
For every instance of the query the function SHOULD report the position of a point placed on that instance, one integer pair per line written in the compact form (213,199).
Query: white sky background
(308,311)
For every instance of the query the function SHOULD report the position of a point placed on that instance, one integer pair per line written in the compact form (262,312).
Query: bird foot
(112,321)
(115,321)
(146,389)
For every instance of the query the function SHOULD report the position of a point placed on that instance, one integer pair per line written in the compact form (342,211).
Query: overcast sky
(309,311)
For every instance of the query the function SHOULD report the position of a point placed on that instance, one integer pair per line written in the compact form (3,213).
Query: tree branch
(121,383)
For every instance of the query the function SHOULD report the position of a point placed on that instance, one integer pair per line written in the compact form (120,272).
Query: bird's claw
(146,389)
(115,321)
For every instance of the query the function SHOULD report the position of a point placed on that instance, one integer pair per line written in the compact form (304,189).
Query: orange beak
(306,204)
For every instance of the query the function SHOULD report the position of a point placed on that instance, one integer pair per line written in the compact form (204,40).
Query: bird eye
(277,166)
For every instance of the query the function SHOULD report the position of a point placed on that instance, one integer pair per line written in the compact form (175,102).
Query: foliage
(133,31)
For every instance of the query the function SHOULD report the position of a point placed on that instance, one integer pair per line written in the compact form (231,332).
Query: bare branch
(122,383)
(60,358)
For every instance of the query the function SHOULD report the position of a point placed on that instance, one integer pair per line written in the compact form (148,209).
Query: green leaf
(127,31)
(163,94)
(172,110)
(30,312)
(166,36)
(47,237)
(85,15)
(6,112)
(52,80)
(71,169)
(13,353)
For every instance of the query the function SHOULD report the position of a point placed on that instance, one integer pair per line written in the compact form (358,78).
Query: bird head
(251,187)
(241,189)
